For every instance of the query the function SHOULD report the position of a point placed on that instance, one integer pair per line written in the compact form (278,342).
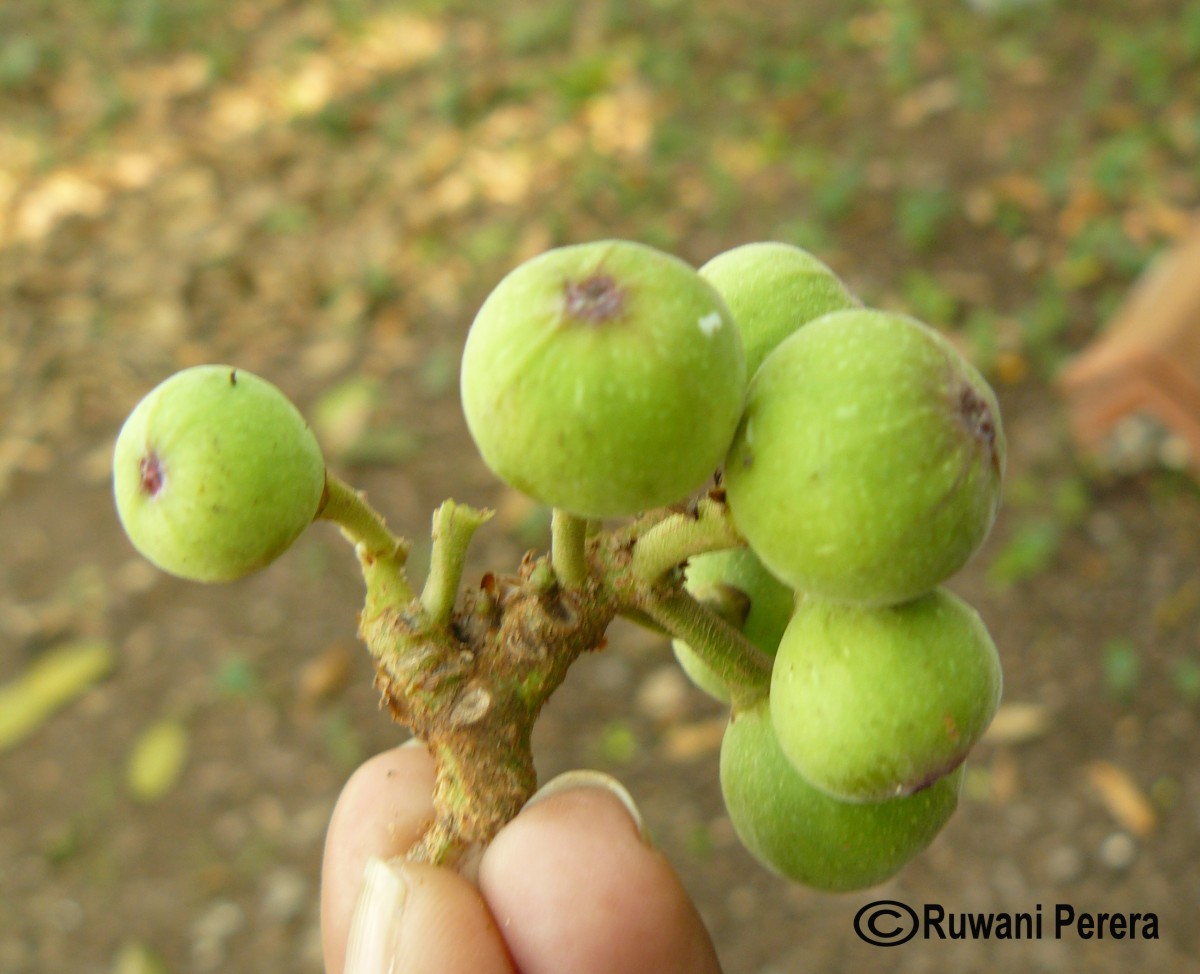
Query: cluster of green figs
(861,459)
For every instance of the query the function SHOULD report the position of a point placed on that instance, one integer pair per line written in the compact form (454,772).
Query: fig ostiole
(603,379)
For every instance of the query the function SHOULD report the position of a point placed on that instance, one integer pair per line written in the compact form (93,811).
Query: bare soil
(322,250)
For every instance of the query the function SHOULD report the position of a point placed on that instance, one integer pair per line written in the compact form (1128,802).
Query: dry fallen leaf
(688,741)
(1018,723)
(135,957)
(157,760)
(341,415)
(48,685)
(1005,778)
(325,676)
(1123,798)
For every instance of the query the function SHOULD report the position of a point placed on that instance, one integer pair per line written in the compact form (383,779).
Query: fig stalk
(568,534)
(736,661)
(360,523)
(381,554)
(453,527)
(676,538)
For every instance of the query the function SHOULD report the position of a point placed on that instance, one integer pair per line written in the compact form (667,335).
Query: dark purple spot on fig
(976,415)
(933,776)
(596,299)
(151,472)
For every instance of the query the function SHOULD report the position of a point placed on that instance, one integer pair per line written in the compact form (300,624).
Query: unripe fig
(603,378)
(803,834)
(735,584)
(772,289)
(868,462)
(871,702)
(215,474)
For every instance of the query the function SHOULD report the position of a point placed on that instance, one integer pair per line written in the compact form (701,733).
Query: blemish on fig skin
(710,324)
(976,416)
(595,299)
(951,727)
(932,777)
(151,472)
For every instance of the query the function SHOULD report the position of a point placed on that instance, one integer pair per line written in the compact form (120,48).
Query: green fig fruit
(735,584)
(603,378)
(772,289)
(868,462)
(215,474)
(871,702)
(803,834)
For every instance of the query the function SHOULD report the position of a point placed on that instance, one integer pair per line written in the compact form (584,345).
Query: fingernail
(587,778)
(375,928)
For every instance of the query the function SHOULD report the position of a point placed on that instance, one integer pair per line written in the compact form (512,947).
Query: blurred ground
(323,193)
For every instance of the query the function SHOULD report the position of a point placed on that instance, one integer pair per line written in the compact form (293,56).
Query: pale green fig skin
(772,289)
(607,408)
(768,600)
(868,463)
(801,833)
(871,702)
(215,474)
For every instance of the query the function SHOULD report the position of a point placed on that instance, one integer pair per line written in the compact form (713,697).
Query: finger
(379,814)
(576,888)
(380,914)
(421,919)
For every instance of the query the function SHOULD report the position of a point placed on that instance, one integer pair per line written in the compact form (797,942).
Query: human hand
(570,886)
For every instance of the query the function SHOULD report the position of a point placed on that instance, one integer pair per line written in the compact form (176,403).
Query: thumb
(577,887)
(422,920)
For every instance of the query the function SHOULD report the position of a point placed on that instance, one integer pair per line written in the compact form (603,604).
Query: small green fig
(871,702)
(868,462)
(772,289)
(603,378)
(803,834)
(215,474)
(735,584)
